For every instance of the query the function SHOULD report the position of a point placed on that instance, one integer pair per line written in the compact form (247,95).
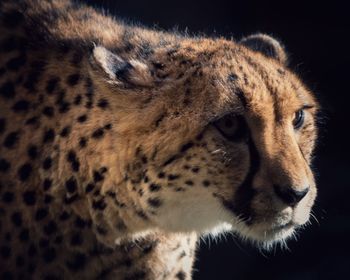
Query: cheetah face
(246,171)
(226,147)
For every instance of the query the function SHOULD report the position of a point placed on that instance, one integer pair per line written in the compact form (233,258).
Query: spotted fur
(120,145)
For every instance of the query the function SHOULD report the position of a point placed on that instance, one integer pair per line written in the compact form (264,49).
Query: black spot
(31,268)
(24,172)
(50,228)
(8,236)
(47,163)
(29,198)
(82,142)
(8,197)
(48,111)
(102,103)
(49,135)
(5,251)
(80,223)
(89,187)
(77,99)
(101,231)
(21,106)
(44,242)
(49,255)
(4,165)
(64,107)
(89,104)
(17,62)
(98,177)
(180,275)
(76,239)
(7,90)
(2,125)
(16,219)
(47,184)
(172,177)
(187,146)
(41,214)
(154,202)
(195,169)
(32,151)
(71,185)
(24,235)
(9,44)
(11,139)
(170,160)
(108,126)
(206,183)
(51,84)
(12,19)
(64,216)
(154,187)
(99,204)
(58,239)
(73,79)
(19,261)
(82,118)
(189,183)
(72,158)
(31,250)
(48,198)
(37,67)
(161,175)
(98,133)
(77,262)
(65,131)
(141,214)
(32,121)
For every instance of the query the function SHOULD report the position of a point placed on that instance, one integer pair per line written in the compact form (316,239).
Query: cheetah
(121,145)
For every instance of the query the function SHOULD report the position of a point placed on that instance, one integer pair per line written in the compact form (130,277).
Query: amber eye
(298,120)
(232,127)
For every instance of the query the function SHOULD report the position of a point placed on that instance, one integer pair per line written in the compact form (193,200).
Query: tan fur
(154,171)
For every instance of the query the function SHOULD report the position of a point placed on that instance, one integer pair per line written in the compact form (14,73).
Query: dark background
(316,34)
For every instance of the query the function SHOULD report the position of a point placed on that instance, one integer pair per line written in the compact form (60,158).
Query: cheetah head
(213,134)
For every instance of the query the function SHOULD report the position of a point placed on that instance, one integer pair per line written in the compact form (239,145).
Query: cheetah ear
(127,73)
(266,45)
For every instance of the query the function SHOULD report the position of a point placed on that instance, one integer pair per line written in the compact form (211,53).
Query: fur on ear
(126,73)
(266,45)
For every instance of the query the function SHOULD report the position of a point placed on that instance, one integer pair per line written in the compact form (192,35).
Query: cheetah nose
(290,195)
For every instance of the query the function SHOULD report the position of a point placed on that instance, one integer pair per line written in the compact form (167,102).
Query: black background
(316,34)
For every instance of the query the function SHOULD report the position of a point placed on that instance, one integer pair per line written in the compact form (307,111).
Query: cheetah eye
(298,120)
(232,127)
